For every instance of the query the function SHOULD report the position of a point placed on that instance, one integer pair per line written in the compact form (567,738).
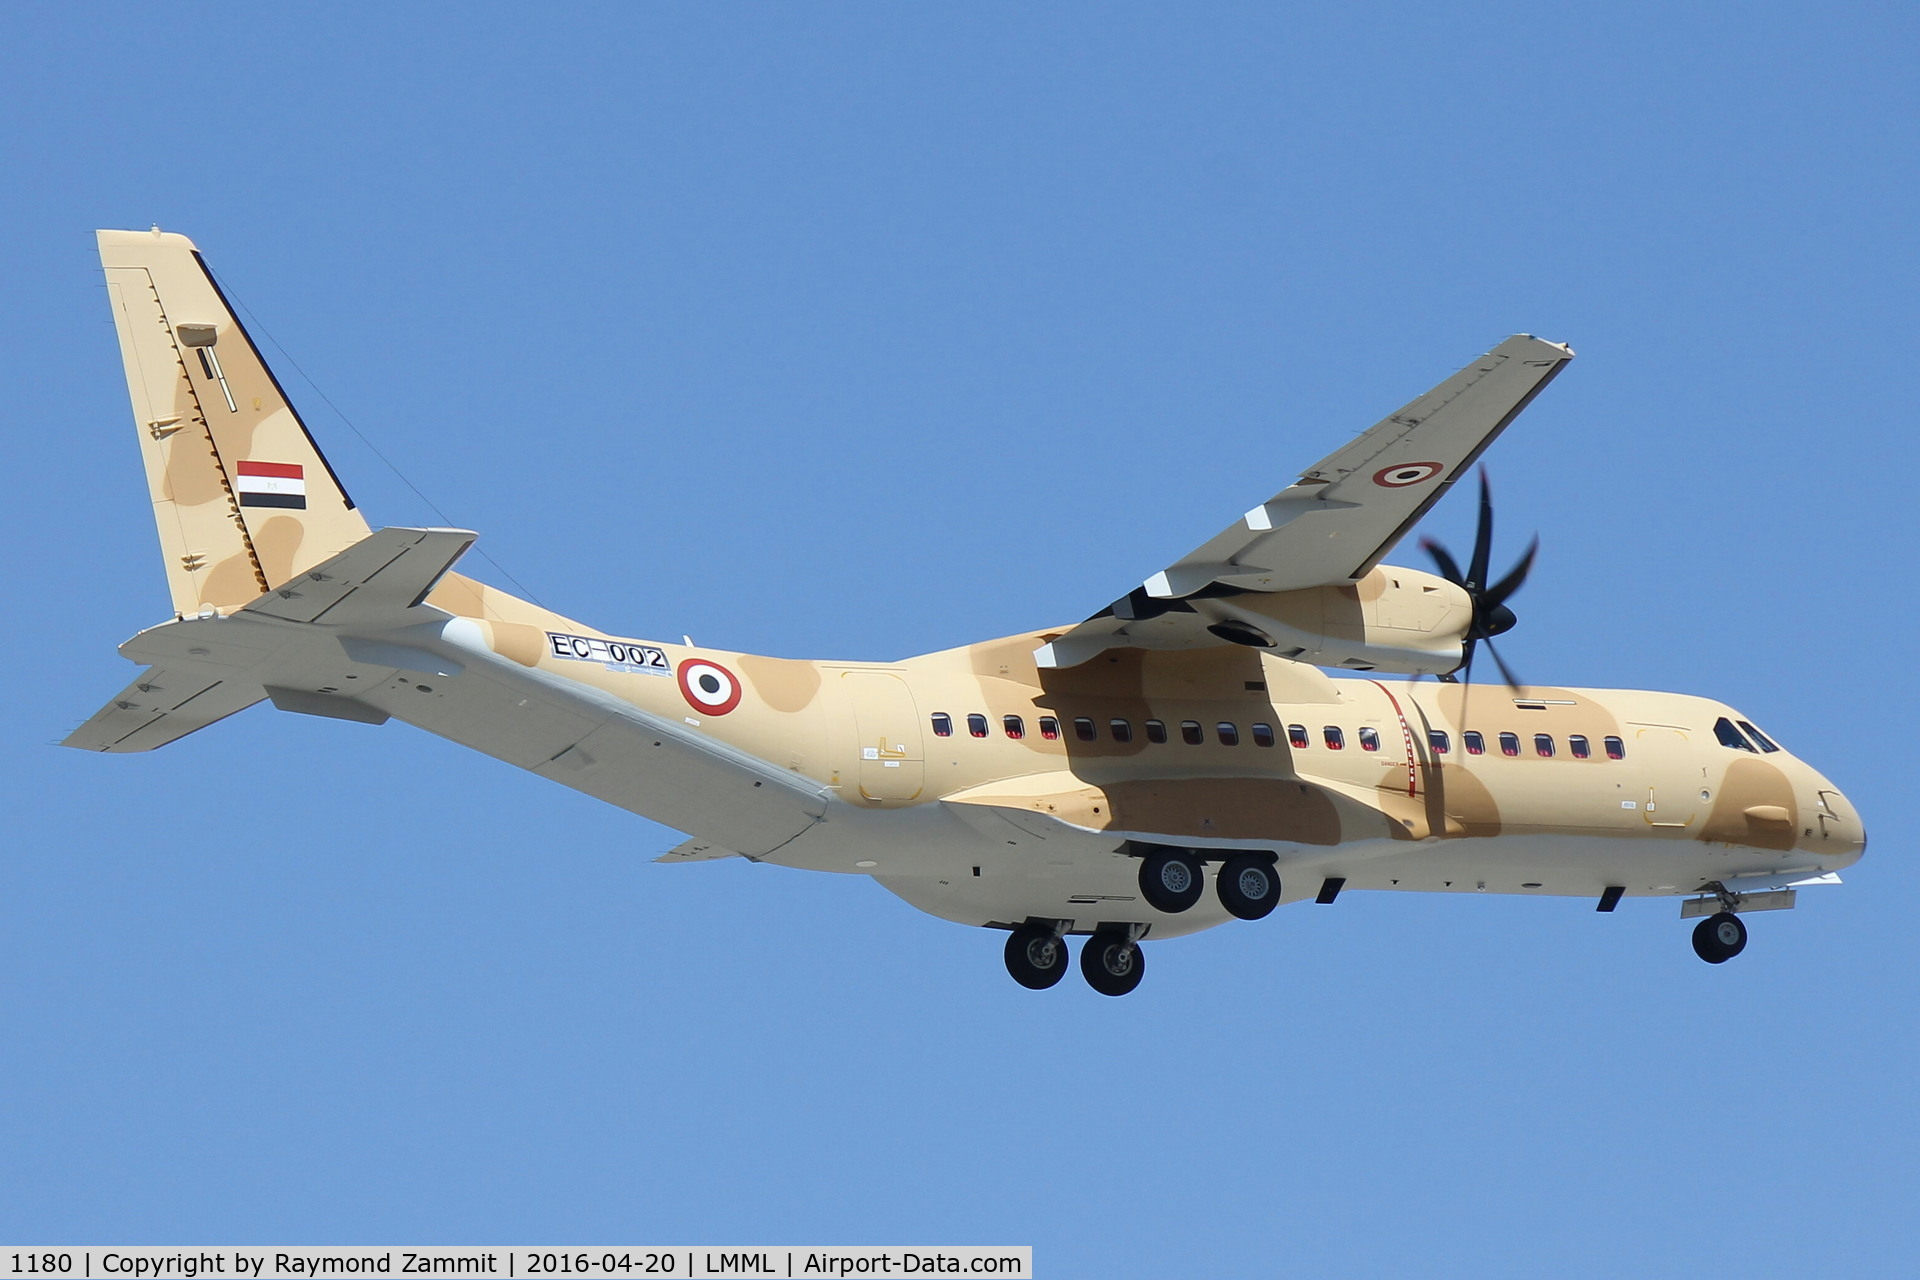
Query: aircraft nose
(1834,828)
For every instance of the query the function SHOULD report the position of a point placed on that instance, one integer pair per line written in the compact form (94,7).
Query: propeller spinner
(1491,617)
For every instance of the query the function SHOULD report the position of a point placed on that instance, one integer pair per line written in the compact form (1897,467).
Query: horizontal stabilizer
(159,707)
(696,851)
(377,578)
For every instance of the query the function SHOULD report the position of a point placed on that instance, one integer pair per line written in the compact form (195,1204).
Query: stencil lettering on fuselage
(614,655)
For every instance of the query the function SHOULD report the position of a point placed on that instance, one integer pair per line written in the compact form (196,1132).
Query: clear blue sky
(861,331)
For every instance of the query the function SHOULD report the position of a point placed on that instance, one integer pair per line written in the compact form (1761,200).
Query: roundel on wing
(1402,474)
(709,687)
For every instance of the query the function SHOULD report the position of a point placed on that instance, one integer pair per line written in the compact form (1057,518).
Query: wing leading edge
(1335,524)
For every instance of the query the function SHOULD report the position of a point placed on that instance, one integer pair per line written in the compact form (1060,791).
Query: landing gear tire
(1248,887)
(1112,962)
(1171,880)
(1718,939)
(1036,956)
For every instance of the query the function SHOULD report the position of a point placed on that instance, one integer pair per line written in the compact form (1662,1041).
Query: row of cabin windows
(1579,746)
(1228,735)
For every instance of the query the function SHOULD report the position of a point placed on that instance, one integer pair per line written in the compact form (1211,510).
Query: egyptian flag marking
(271,484)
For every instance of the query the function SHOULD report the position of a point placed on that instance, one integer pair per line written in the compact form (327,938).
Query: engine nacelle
(1405,621)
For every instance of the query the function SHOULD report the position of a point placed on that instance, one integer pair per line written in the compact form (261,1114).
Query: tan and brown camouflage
(835,766)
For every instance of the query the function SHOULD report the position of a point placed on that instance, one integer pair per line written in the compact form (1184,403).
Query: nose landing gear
(1719,938)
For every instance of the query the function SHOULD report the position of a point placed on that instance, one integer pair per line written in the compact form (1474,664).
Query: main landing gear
(1110,960)
(1036,955)
(1171,880)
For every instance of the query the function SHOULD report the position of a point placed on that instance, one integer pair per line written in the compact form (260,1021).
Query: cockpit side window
(1766,743)
(1731,737)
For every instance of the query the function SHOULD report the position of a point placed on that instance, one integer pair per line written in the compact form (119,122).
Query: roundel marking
(709,687)
(1402,474)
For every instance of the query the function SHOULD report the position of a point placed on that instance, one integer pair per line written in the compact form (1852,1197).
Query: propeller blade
(1513,682)
(1483,536)
(1443,560)
(1497,594)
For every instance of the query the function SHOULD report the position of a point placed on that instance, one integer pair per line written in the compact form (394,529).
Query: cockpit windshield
(1731,737)
(1766,743)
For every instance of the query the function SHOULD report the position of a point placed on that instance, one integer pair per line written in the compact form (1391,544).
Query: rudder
(242,496)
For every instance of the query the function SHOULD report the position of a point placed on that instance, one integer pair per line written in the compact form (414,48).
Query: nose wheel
(1719,938)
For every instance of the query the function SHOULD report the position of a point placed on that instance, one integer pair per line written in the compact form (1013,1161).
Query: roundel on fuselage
(709,687)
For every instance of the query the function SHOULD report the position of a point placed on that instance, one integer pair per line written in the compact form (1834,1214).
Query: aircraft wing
(1336,522)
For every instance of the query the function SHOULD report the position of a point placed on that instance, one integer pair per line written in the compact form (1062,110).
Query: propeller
(1491,617)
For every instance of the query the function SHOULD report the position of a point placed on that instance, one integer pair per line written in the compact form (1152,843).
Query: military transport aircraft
(1175,761)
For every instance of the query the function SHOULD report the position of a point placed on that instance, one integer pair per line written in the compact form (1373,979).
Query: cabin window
(1766,744)
(1122,730)
(1334,737)
(1014,725)
(942,725)
(1578,747)
(1509,744)
(1543,745)
(1476,742)
(1049,728)
(1262,735)
(977,725)
(1229,733)
(1369,738)
(1730,737)
(1437,741)
(1156,731)
(1190,733)
(1616,749)
(1297,736)
(1083,729)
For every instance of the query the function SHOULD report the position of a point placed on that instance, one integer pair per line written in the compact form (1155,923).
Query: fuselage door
(1665,757)
(891,766)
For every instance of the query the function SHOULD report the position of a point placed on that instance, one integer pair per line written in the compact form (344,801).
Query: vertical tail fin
(242,496)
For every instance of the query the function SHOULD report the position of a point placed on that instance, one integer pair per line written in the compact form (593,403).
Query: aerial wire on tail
(446,520)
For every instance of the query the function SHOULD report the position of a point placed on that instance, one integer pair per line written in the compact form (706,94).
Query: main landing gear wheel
(1112,963)
(1248,886)
(1170,880)
(1718,939)
(1036,956)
